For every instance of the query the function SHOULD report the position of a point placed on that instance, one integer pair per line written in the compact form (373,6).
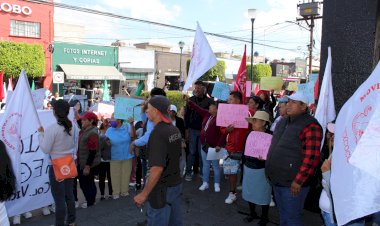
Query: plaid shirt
(311,137)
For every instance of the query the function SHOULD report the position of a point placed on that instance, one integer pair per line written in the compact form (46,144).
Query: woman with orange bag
(58,142)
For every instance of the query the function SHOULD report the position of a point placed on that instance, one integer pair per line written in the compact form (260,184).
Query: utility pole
(310,11)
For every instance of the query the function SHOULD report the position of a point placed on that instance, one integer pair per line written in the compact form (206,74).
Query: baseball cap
(173,108)
(298,96)
(259,115)
(162,104)
(90,116)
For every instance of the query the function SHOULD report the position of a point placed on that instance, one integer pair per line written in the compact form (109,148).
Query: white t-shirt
(3,215)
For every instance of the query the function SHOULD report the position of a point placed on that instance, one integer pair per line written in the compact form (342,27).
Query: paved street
(199,209)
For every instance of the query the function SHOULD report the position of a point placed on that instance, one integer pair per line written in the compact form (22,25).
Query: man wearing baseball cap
(164,185)
(293,157)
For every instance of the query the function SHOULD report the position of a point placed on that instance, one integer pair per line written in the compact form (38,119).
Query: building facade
(85,68)
(29,22)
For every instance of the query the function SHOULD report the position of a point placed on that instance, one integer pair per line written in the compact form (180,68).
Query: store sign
(14,8)
(58,77)
(85,56)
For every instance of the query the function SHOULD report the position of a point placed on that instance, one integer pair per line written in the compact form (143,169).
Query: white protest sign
(355,191)
(257,144)
(39,96)
(213,155)
(232,114)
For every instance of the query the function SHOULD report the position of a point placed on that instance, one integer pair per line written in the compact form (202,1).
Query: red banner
(241,77)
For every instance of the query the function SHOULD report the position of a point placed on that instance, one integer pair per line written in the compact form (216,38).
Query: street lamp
(181,44)
(252,15)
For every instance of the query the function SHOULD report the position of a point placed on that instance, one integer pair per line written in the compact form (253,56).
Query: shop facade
(137,66)
(29,22)
(85,68)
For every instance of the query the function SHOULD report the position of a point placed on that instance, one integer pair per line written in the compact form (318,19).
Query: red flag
(241,77)
(257,89)
(316,89)
(2,85)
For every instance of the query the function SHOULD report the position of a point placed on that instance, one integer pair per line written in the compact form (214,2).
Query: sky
(226,17)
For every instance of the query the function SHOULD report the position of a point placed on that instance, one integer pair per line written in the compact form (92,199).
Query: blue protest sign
(221,91)
(126,107)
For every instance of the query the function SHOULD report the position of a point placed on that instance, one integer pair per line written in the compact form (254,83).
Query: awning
(89,72)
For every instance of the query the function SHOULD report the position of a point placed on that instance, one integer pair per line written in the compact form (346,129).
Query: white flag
(356,193)
(5,93)
(325,112)
(19,125)
(202,58)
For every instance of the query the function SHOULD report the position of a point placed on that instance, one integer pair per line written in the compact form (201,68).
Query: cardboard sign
(269,83)
(248,88)
(221,91)
(308,90)
(39,96)
(104,110)
(258,144)
(232,114)
(126,107)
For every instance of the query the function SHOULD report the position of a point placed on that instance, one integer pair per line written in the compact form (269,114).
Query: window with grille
(25,29)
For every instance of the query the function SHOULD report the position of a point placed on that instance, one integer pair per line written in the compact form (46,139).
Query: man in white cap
(293,157)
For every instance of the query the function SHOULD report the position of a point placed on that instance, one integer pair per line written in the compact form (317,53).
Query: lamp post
(181,44)
(252,15)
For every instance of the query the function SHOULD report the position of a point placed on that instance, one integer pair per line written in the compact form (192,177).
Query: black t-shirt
(164,148)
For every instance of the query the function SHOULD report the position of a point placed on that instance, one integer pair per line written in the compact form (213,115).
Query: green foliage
(17,56)
(259,71)
(218,70)
(175,97)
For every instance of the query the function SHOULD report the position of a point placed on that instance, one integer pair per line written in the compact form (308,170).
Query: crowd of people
(154,154)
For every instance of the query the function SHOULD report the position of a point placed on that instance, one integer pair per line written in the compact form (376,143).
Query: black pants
(87,184)
(104,172)
(75,191)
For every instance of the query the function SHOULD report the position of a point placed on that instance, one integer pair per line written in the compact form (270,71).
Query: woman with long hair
(58,141)
(7,183)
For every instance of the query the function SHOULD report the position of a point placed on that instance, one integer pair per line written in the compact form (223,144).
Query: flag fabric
(202,58)
(33,86)
(356,191)
(139,89)
(5,92)
(2,93)
(257,88)
(241,77)
(325,111)
(106,92)
(10,84)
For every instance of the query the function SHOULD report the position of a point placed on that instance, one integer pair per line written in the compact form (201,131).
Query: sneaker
(132,184)
(124,194)
(52,208)
(115,196)
(188,178)
(231,198)
(28,215)
(84,205)
(102,198)
(204,186)
(45,211)
(272,203)
(76,204)
(17,219)
(216,187)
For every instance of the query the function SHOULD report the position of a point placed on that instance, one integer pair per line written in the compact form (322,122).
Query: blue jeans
(64,199)
(194,149)
(206,168)
(171,214)
(328,219)
(289,207)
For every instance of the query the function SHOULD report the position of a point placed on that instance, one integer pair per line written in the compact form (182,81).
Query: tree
(218,70)
(17,56)
(259,71)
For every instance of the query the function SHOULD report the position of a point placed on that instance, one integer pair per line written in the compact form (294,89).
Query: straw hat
(259,115)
